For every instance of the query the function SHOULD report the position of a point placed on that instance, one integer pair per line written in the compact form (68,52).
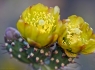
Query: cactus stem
(6,44)
(19,56)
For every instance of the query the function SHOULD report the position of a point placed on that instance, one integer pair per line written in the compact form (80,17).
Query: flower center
(73,33)
(44,22)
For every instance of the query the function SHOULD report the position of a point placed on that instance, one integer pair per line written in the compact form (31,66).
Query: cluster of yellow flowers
(41,26)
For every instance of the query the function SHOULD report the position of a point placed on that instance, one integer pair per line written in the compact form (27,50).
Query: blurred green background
(10,11)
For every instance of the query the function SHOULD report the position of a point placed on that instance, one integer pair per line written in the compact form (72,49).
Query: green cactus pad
(52,57)
(47,58)
(18,51)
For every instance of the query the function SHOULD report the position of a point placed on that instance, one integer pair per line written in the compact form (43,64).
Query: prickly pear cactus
(47,42)
(53,57)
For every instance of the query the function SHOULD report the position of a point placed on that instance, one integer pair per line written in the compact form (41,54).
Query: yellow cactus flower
(77,38)
(40,25)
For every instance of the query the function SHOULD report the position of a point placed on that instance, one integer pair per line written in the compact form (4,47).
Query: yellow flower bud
(40,25)
(77,38)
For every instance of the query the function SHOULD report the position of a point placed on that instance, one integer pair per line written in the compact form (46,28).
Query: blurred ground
(10,11)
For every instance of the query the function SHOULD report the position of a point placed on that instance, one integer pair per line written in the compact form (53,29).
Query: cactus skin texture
(52,57)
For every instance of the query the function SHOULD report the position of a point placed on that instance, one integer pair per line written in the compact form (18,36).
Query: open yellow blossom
(78,37)
(40,25)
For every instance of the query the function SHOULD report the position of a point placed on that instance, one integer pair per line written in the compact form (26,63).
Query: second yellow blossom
(78,37)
